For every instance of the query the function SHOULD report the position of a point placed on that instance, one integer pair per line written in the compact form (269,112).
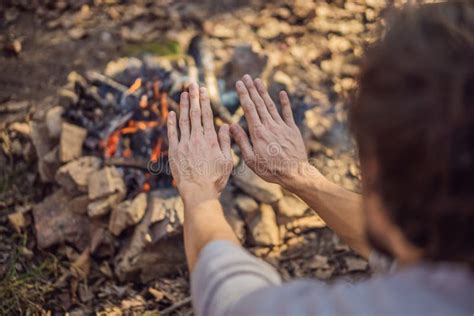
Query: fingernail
(203,90)
(239,84)
(247,77)
(193,85)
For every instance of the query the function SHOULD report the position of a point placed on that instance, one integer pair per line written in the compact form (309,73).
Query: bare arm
(339,208)
(201,163)
(277,154)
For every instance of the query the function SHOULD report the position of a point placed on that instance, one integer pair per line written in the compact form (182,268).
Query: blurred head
(413,121)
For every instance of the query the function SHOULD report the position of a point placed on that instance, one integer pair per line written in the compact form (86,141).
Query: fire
(155,101)
(135,86)
(111,145)
(155,154)
(164,107)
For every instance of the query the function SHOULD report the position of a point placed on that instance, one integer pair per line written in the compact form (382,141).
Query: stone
(77,33)
(300,225)
(283,79)
(245,61)
(246,204)
(291,206)
(74,176)
(54,121)
(14,106)
(105,182)
(102,242)
(319,262)
(355,264)
(273,28)
(66,96)
(71,141)
(303,8)
(79,204)
(156,248)
(43,144)
(103,206)
(263,228)
(51,162)
(55,223)
(18,221)
(236,223)
(127,213)
(20,128)
(338,44)
(255,186)
(231,213)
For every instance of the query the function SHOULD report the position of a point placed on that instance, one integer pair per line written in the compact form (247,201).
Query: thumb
(224,141)
(242,140)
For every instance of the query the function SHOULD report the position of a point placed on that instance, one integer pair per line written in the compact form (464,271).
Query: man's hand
(200,160)
(277,153)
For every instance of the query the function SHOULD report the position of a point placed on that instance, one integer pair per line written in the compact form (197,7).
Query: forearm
(204,222)
(339,208)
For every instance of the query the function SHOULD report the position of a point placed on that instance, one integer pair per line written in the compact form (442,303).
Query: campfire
(125,121)
(116,199)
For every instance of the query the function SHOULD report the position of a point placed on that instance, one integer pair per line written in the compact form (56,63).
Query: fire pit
(116,198)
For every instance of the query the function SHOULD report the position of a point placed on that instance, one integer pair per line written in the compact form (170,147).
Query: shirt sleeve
(223,274)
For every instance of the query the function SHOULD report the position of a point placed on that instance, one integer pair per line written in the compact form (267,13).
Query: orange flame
(143,102)
(164,107)
(135,86)
(155,154)
(112,143)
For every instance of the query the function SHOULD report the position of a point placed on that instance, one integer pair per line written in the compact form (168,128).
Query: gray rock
(105,182)
(291,206)
(55,223)
(127,213)
(255,186)
(54,121)
(74,176)
(263,228)
(71,141)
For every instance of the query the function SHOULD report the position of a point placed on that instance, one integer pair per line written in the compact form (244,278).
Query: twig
(173,307)
(95,76)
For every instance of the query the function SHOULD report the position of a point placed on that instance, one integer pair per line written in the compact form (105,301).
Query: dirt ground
(311,50)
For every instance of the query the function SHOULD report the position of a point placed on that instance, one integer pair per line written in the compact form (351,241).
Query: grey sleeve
(223,274)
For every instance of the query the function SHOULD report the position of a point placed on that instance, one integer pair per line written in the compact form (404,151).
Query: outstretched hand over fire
(200,159)
(275,151)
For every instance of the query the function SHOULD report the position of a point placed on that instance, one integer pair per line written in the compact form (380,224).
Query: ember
(125,116)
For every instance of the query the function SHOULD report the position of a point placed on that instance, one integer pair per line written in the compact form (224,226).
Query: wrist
(194,195)
(304,177)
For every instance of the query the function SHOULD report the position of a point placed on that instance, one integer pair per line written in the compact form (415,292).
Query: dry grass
(26,284)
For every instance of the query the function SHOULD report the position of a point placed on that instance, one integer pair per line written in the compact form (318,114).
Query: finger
(243,142)
(172,131)
(249,108)
(195,109)
(286,109)
(257,99)
(224,140)
(184,115)
(262,90)
(206,111)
